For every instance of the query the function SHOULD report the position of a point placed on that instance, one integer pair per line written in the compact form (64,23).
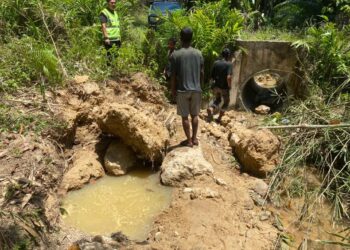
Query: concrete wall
(256,56)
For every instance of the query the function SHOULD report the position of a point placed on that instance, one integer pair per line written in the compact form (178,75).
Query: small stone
(81,79)
(258,200)
(188,190)
(262,110)
(98,238)
(176,233)
(248,204)
(158,236)
(220,182)
(193,196)
(211,193)
(260,187)
(265,215)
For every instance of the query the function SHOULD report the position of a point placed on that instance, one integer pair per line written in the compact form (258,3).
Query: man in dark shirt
(221,76)
(186,78)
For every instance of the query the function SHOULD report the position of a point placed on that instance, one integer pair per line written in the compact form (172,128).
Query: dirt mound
(85,167)
(256,150)
(145,136)
(146,90)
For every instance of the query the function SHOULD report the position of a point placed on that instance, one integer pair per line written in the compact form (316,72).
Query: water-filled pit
(127,203)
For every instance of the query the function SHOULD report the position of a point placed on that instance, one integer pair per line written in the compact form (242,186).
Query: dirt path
(208,212)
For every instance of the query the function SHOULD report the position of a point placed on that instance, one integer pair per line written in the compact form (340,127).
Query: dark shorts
(109,46)
(219,95)
(188,103)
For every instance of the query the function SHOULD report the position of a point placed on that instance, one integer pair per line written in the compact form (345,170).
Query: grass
(14,120)
(271,34)
(326,150)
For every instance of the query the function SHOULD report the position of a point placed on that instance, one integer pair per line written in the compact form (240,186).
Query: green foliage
(27,60)
(271,33)
(327,149)
(214,25)
(14,120)
(295,13)
(326,55)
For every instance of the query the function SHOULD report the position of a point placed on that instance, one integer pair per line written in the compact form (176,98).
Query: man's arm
(103,20)
(229,79)
(173,76)
(229,76)
(202,72)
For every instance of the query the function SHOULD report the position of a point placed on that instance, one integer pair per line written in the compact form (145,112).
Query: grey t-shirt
(186,64)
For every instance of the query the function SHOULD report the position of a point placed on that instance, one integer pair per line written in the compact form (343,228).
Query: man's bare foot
(195,141)
(187,143)
(210,115)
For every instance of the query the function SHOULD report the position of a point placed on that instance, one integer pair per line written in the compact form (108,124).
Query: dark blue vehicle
(161,7)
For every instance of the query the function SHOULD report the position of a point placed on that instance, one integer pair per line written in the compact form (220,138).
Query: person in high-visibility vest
(110,27)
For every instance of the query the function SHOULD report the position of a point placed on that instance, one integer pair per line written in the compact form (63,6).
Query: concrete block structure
(277,58)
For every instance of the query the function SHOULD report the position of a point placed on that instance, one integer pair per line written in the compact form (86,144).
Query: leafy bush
(214,25)
(33,62)
(326,55)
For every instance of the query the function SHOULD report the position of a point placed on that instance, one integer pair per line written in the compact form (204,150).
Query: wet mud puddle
(127,203)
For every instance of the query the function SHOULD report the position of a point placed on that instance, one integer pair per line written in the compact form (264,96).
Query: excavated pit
(126,203)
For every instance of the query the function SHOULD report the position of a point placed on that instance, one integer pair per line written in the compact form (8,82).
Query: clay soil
(33,165)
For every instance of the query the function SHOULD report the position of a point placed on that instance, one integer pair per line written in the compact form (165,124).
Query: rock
(188,190)
(85,167)
(158,236)
(145,136)
(202,193)
(119,158)
(220,182)
(260,187)
(258,200)
(262,110)
(265,215)
(81,79)
(119,237)
(256,150)
(90,88)
(312,244)
(184,164)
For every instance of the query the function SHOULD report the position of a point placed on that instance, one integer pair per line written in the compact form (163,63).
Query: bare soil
(33,165)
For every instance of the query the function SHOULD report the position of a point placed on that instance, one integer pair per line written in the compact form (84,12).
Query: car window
(164,6)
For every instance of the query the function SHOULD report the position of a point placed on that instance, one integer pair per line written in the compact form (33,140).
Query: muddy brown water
(127,203)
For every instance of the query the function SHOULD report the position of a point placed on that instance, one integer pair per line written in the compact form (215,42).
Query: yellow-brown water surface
(127,203)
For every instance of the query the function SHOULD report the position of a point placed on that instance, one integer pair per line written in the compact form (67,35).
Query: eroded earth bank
(220,197)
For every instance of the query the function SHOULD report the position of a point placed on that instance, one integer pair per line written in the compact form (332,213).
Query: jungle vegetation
(43,43)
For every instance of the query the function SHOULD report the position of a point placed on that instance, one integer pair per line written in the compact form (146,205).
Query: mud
(217,211)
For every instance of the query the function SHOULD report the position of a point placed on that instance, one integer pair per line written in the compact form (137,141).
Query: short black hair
(172,40)
(226,52)
(186,35)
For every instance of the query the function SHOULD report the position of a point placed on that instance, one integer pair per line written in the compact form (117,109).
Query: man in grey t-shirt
(186,78)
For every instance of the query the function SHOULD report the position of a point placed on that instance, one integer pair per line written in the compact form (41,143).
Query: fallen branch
(309,126)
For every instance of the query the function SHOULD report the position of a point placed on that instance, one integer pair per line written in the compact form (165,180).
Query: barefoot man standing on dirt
(186,78)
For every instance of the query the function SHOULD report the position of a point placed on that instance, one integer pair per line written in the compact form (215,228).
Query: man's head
(171,43)
(226,53)
(111,4)
(186,35)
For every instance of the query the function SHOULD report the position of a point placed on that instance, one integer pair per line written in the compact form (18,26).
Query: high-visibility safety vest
(113,29)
